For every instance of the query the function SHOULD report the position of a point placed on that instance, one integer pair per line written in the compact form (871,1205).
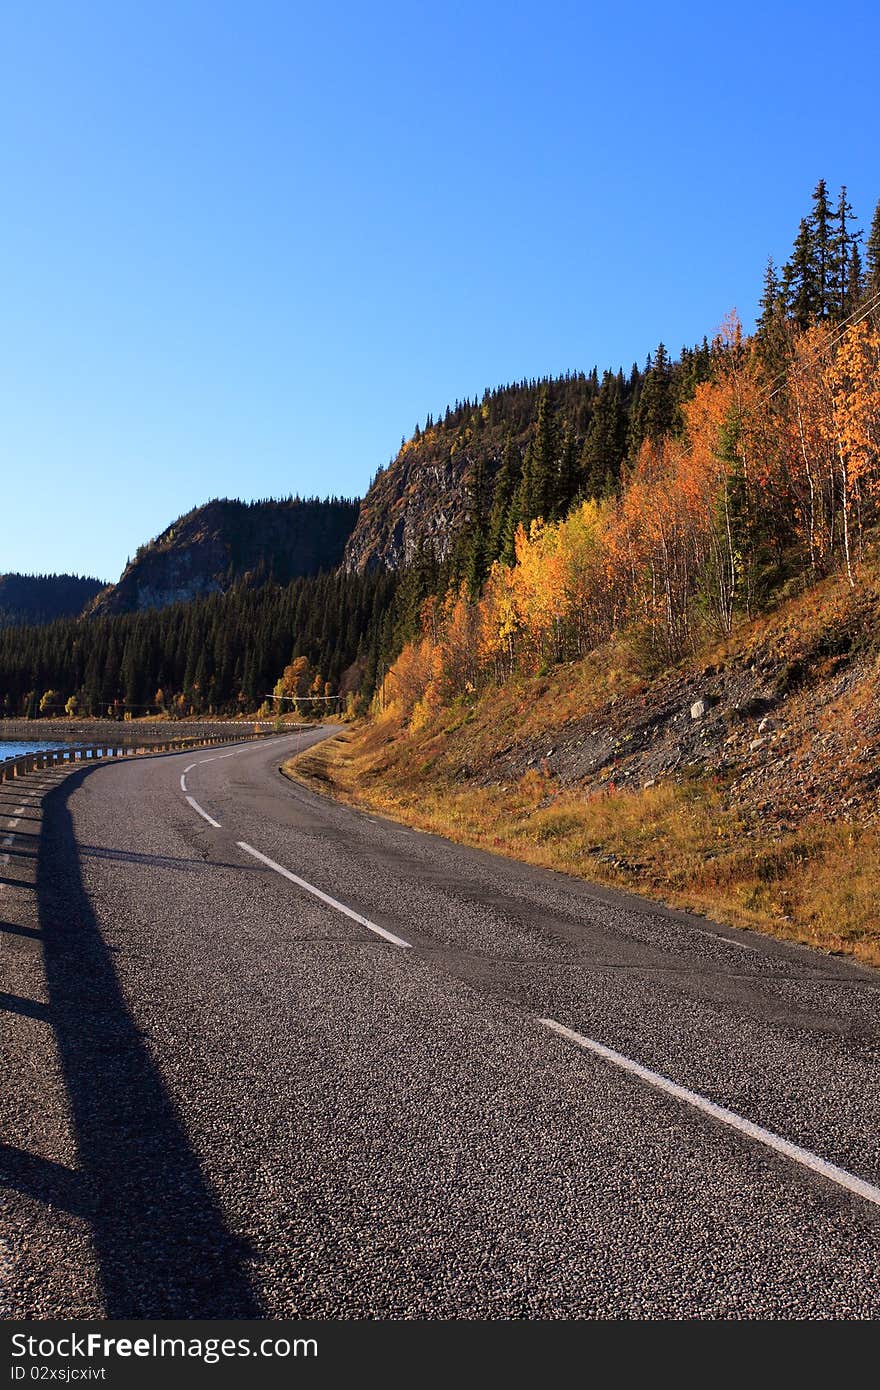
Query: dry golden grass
(679,844)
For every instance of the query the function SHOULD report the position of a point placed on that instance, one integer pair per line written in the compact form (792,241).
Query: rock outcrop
(227,542)
(421,498)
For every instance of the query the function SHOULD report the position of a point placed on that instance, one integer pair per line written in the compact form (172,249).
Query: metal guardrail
(23,763)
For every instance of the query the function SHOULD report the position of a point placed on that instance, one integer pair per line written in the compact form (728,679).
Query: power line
(773,387)
(301,699)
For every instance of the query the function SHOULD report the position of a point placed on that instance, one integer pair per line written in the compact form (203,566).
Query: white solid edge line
(196,807)
(324,897)
(857,1186)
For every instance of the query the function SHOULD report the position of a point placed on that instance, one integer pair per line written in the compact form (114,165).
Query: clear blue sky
(247,246)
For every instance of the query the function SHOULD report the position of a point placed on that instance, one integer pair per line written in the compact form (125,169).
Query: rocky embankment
(784,743)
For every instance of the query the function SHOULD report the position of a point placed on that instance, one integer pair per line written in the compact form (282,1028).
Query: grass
(677,843)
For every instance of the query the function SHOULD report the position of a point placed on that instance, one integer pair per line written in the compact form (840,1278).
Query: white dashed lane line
(196,807)
(286,873)
(324,897)
(212,759)
(794,1152)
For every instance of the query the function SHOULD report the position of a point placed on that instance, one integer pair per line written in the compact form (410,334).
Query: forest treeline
(667,499)
(38,598)
(220,654)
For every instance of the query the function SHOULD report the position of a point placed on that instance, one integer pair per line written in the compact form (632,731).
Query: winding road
(267,1056)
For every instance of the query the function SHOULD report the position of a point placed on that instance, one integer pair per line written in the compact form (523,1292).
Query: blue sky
(247,246)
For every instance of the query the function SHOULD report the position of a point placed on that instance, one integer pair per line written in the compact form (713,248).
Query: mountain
(463,483)
(227,542)
(35,599)
(426,494)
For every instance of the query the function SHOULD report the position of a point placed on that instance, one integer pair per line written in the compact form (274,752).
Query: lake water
(11,749)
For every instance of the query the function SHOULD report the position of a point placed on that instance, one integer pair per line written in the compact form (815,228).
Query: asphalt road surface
(268,1056)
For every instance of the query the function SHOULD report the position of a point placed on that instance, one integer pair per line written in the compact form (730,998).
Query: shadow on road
(160,1236)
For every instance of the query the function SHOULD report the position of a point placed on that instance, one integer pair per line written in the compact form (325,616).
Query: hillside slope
(225,541)
(40,598)
(744,783)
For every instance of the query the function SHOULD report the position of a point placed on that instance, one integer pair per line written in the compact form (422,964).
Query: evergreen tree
(567,473)
(605,445)
(521,511)
(771,304)
(537,490)
(800,278)
(820,224)
(855,285)
(872,256)
(545,459)
(844,240)
(475,531)
(418,581)
(771,329)
(654,415)
(506,484)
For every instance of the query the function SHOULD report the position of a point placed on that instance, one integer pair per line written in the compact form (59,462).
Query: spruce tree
(820,221)
(844,240)
(800,278)
(855,281)
(476,561)
(506,483)
(545,460)
(771,333)
(872,257)
(567,473)
(536,495)
(521,510)
(605,445)
(654,415)
(771,299)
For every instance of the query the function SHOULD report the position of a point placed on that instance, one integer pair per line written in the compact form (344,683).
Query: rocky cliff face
(421,497)
(226,542)
(428,492)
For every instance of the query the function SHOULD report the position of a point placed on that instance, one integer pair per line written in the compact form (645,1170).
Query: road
(269,1056)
